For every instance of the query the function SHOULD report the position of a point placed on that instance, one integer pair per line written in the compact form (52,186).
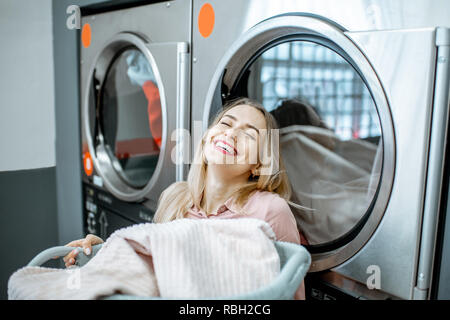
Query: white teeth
(224,146)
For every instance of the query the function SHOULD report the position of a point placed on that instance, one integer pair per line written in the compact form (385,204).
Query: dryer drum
(125,116)
(130,117)
(340,191)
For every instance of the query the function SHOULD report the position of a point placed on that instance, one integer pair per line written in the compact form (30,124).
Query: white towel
(186,258)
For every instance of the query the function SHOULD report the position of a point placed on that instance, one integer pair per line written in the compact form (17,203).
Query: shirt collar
(227,205)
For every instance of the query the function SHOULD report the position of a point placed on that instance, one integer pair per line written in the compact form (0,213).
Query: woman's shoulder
(275,210)
(266,196)
(267,202)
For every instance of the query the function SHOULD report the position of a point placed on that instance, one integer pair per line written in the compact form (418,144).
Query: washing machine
(360,90)
(134,73)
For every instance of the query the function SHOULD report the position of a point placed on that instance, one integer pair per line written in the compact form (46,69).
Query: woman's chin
(229,162)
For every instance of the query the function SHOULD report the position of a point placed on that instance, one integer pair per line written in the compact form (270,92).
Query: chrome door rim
(277,27)
(102,162)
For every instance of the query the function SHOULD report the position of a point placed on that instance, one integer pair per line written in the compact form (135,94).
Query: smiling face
(235,139)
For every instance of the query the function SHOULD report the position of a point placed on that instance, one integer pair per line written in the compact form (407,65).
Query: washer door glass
(129,115)
(330,136)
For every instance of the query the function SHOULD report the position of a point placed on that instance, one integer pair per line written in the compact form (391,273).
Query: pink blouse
(267,206)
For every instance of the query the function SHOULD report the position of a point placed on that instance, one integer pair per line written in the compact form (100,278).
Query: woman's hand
(85,243)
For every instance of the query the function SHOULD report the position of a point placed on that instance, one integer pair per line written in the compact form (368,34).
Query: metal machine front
(134,94)
(355,130)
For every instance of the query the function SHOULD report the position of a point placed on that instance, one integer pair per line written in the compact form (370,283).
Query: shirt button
(221,209)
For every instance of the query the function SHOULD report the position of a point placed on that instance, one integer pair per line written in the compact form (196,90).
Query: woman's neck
(219,186)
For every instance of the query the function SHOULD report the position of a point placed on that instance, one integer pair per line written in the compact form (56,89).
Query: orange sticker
(86,35)
(206,20)
(87,163)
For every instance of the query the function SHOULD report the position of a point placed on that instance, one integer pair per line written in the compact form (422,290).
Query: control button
(90,192)
(91,206)
(98,181)
(316,294)
(105,198)
(145,216)
(328,297)
(103,221)
(91,223)
(87,162)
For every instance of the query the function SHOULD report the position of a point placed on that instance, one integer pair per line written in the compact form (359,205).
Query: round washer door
(125,117)
(336,133)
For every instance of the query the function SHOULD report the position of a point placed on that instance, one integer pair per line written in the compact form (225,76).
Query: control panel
(103,214)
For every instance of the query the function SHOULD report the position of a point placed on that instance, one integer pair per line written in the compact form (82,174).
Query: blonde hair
(179,197)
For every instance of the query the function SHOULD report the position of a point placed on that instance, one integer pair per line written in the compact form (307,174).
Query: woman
(237,172)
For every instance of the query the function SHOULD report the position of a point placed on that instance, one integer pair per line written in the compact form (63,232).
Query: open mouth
(225,147)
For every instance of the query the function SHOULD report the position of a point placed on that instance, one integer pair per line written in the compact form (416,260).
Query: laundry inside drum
(130,117)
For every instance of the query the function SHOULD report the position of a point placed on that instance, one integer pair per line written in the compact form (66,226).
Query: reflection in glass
(330,134)
(130,117)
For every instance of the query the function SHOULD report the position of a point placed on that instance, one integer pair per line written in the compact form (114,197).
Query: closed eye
(228,125)
(248,134)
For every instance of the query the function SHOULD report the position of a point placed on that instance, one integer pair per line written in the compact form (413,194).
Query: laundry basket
(294,264)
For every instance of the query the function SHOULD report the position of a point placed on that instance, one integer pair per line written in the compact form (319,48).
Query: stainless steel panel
(164,60)
(163,26)
(435,164)
(244,48)
(147,21)
(183,113)
(404,62)
(233,17)
(405,67)
(353,288)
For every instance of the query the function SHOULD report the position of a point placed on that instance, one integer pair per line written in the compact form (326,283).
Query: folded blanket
(185,259)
